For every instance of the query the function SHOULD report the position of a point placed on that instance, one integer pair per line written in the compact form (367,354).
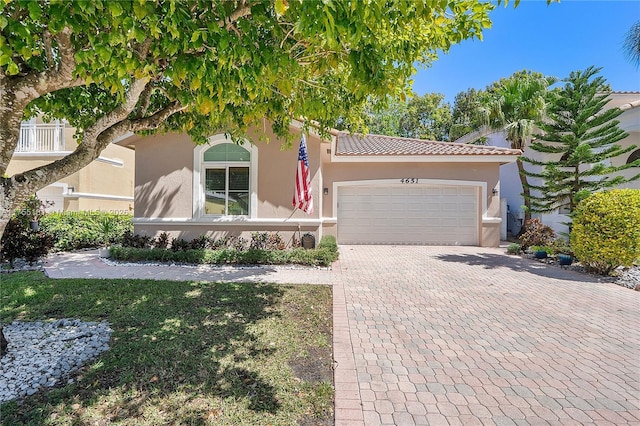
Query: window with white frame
(226,180)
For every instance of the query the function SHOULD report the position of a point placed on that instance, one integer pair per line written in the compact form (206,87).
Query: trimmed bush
(606,230)
(77,230)
(328,242)
(324,256)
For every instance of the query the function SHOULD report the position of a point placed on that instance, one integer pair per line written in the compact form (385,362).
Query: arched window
(224,182)
(635,156)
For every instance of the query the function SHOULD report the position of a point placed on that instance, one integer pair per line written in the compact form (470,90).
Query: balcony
(38,137)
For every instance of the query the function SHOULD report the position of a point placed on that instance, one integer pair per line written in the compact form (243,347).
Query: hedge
(324,255)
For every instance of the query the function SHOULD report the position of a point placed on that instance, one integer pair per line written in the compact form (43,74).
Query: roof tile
(379,145)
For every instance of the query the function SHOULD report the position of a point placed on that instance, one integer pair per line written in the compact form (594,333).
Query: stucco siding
(94,184)
(276,174)
(164,166)
(164,181)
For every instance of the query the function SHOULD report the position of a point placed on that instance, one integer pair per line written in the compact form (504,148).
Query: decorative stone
(40,354)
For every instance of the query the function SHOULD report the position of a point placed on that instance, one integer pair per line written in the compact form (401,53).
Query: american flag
(302,196)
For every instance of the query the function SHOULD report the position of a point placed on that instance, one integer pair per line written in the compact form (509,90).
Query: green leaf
(4,59)
(12,69)
(3,22)
(115,8)
(34,10)
(139,10)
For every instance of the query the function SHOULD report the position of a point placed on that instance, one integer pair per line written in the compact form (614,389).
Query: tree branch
(120,113)
(48,49)
(154,121)
(95,138)
(143,49)
(241,11)
(145,99)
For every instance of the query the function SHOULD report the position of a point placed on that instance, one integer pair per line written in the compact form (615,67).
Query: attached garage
(408,214)
(391,190)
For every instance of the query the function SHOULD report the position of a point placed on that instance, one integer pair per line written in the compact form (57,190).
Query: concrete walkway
(456,335)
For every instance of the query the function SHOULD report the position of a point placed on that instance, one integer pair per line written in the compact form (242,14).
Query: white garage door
(408,214)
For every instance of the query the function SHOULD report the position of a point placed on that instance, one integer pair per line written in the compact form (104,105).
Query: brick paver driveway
(455,335)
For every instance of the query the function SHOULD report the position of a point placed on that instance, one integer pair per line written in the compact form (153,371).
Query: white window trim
(198,178)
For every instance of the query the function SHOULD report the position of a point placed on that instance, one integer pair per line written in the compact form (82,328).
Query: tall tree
(423,117)
(581,135)
(115,67)
(426,117)
(380,117)
(514,105)
(632,44)
(465,117)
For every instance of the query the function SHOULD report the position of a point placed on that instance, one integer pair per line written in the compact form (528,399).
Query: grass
(192,353)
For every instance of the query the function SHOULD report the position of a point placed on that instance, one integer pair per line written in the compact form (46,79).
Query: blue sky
(554,40)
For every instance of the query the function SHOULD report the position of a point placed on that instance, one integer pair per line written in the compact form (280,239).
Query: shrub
(199,243)
(266,241)
(162,242)
(514,248)
(216,244)
(129,239)
(606,230)
(19,240)
(547,249)
(561,246)
(537,233)
(328,242)
(233,250)
(237,243)
(77,230)
(179,244)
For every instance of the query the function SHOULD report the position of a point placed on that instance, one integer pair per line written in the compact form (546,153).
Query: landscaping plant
(536,233)
(606,230)
(581,134)
(77,230)
(233,250)
(514,248)
(20,240)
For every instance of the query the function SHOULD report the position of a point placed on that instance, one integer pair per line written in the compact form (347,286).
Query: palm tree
(513,105)
(632,44)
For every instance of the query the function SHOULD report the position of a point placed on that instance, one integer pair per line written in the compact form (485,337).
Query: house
(511,188)
(106,184)
(366,190)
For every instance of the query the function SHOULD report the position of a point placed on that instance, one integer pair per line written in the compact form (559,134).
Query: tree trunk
(3,342)
(526,192)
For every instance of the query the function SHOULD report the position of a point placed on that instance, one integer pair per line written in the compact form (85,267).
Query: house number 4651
(409,180)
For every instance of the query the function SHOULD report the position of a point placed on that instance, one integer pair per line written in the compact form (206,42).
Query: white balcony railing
(41,137)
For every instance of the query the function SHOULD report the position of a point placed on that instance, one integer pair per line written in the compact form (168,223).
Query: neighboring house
(366,190)
(511,188)
(106,184)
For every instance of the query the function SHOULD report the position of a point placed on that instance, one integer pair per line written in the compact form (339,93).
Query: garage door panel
(407,214)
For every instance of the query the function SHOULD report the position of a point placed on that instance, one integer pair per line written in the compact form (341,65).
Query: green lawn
(192,353)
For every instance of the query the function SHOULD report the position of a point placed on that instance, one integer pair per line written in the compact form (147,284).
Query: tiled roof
(378,145)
